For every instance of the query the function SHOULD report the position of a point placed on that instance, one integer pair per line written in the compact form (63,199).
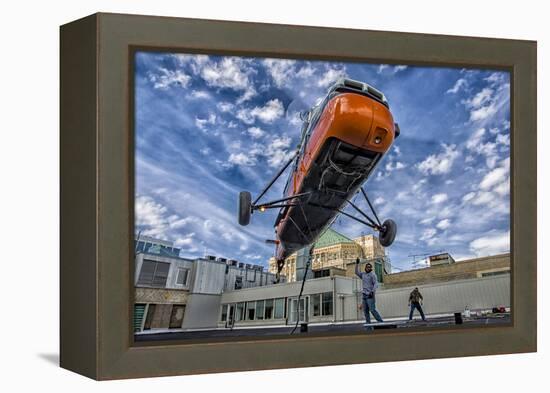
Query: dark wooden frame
(97,194)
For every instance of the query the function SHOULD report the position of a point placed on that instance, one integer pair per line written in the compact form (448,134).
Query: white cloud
(281,70)
(167,78)
(379,201)
(419,184)
(485,103)
(390,166)
(202,123)
(231,73)
(492,244)
(444,224)
(475,139)
(225,106)
(480,98)
(331,76)
(483,198)
(271,111)
(305,72)
(460,83)
(199,94)
(196,62)
(439,198)
(503,188)
(489,149)
(437,164)
(391,69)
(241,159)
(469,196)
(154,220)
(428,234)
(496,176)
(483,112)
(427,220)
(277,153)
(150,213)
(503,139)
(186,242)
(256,132)
(402,195)
(496,77)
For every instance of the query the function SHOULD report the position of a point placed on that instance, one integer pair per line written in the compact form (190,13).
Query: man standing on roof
(370,283)
(415,301)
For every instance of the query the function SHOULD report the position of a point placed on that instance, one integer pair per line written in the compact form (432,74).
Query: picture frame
(97,195)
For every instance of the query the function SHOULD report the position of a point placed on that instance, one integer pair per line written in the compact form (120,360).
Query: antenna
(424,255)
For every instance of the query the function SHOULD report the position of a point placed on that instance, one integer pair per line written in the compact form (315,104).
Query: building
(216,293)
(161,290)
(440,259)
(478,284)
(174,292)
(466,269)
(337,299)
(333,253)
(157,246)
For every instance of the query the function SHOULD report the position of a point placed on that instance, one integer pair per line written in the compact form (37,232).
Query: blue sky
(208,127)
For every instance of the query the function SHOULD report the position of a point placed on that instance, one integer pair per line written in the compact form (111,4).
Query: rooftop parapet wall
(470,268)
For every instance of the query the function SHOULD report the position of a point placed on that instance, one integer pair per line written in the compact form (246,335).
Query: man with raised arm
(370,283)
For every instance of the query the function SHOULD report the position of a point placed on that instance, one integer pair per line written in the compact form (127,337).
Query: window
(238,282)
(378,270)
(495,273)
(260,309)
(316,304)
(321,273)
(153,274)
(250,310)
(279,308)
(224,313)
(321,304)
(239,312)
(327,303)
(269,309)
(182,276)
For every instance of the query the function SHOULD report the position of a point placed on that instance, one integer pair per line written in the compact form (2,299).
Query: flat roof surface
(431,323)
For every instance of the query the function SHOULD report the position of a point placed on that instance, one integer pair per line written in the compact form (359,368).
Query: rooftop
(330,238)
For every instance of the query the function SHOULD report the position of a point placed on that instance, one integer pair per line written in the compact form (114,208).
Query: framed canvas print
(241,196)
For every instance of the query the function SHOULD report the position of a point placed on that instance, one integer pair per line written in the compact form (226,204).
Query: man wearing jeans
(370,283)
(415,301)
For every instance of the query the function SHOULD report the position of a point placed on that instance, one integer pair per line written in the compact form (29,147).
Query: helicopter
(343,139)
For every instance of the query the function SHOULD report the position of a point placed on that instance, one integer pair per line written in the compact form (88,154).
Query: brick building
(471,268)
(172,292)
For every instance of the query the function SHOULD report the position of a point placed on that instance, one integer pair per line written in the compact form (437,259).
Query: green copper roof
(330,237)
